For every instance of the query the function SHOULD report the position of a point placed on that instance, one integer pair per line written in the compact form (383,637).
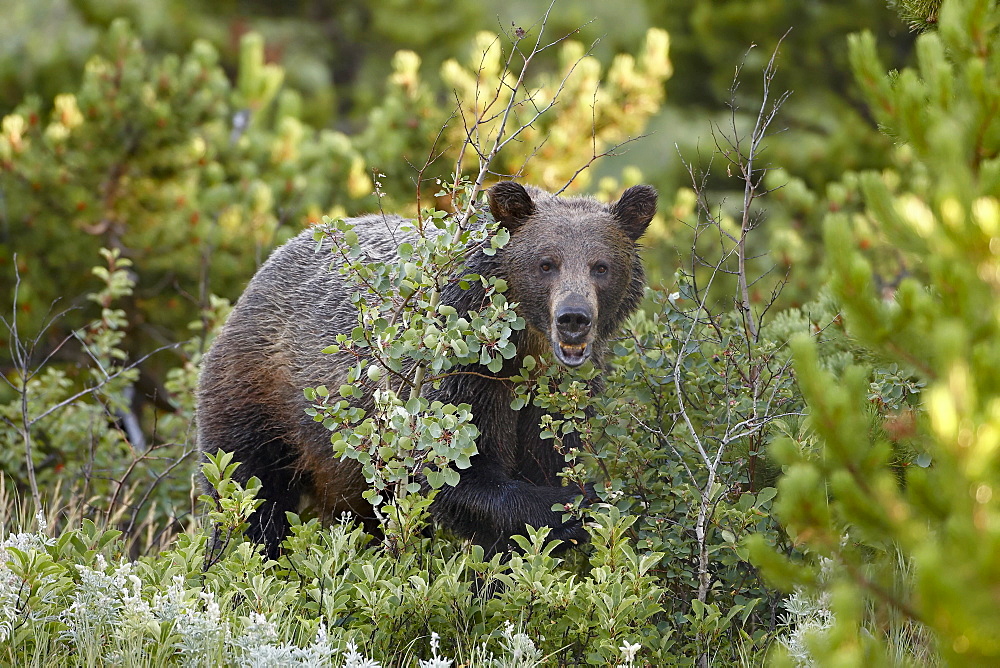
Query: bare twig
(23,353)
(501,137)
(753,373)
(22,360)
(746,164)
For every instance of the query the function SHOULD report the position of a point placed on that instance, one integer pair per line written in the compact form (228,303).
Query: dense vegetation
(798,448)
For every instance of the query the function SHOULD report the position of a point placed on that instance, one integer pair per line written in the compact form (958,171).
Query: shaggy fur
(572,265)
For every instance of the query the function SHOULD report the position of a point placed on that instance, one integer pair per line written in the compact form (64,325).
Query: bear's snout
(573,324)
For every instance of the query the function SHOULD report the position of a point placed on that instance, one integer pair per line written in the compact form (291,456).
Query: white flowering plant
(333,600)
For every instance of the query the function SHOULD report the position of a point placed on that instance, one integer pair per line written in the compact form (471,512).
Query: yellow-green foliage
(941,209)
(193,179)
(595,110)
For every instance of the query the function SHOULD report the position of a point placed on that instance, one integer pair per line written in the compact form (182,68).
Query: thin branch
(21,356)
(90,390)
(154,484)
(611,152)
(740,154)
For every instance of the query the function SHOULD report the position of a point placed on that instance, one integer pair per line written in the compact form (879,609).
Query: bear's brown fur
(573,268)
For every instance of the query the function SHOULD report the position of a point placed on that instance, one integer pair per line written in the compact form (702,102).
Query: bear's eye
(546,266)
(600,268)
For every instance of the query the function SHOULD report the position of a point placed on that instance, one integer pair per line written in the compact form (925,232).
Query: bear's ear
(635,209)
(510,204)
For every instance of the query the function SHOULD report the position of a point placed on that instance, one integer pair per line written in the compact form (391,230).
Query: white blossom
(13,589)
(354,659)
(628,651)
(257,647)
(805,615)
(202,631)
(436,661)
(518,650)
(98,600)
(169,605)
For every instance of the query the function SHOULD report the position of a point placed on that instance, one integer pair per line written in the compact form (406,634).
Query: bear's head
(572,264)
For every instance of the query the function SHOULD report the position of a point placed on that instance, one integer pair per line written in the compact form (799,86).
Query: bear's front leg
(488,507)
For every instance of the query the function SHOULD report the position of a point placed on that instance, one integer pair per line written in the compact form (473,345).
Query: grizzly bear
(573,269)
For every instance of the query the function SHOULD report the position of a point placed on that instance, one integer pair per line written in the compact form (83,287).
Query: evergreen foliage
(921,14)
(166,160)
(921,547)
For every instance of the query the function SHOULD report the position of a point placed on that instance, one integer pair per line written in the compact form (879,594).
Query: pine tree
(191,177)
(918,548)
(921,14)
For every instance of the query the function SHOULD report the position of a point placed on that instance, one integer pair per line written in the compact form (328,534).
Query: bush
(76,599)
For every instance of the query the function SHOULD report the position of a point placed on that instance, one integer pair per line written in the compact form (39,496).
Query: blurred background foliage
(216,169)
(340,55)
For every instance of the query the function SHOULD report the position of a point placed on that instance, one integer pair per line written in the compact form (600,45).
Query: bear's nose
(573,323)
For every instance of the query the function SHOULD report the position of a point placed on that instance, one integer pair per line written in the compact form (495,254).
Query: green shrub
(76,600)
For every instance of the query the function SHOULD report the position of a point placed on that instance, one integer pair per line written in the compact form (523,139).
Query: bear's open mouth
(573,354)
